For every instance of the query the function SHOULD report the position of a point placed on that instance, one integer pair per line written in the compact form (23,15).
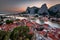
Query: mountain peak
(43,10)
(44,6)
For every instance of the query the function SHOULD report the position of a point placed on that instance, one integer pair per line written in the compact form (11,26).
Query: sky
(15,6)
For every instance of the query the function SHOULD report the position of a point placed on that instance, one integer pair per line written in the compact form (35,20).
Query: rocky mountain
(32,10)
(28,10)
(55,10)
(52,11)
(43,10)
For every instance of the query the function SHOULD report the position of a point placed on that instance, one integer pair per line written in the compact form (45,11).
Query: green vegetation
(9,21)
(7,36)
(19,33)
(2,34)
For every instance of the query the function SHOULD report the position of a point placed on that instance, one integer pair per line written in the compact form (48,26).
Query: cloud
(5,4)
